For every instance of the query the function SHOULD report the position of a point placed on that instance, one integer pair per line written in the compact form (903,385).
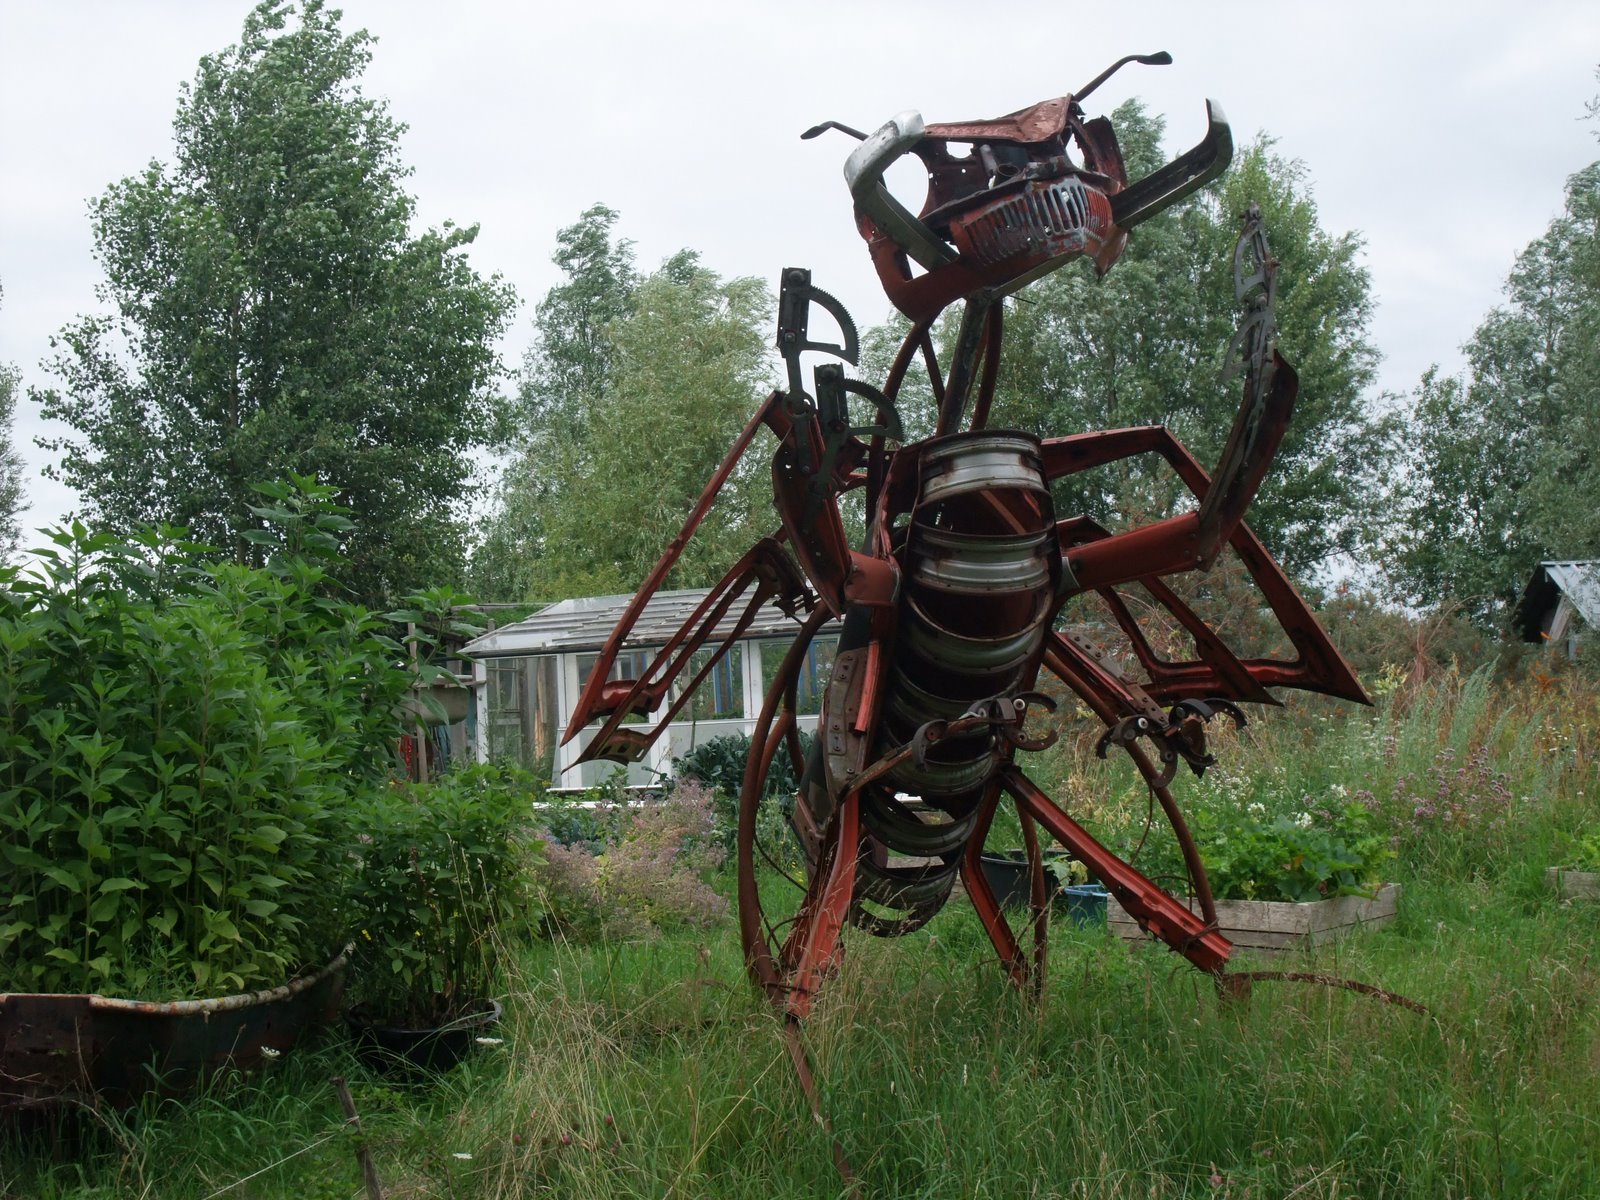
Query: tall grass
(649,1069)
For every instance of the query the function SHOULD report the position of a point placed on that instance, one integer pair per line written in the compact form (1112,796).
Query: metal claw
(1206,709)
(1183,176)
(796,295)
(1254,237)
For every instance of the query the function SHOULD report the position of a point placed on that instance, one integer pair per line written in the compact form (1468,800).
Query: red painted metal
(984,903)
(949,605)
(1147,902)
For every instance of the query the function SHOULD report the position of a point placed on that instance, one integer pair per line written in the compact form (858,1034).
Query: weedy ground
(649,1069)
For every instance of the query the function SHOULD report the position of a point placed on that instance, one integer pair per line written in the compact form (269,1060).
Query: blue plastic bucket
(1085,903)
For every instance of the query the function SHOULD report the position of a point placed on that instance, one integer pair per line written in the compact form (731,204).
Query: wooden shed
(527,676)
(1561,599)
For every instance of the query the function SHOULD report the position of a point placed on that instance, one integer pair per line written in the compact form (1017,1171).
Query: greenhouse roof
(584,624)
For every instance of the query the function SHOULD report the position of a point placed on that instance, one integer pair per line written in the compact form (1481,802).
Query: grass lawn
(651,1070)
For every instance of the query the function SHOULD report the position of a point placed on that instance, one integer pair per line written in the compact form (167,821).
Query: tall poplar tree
(276,313)
(632,392)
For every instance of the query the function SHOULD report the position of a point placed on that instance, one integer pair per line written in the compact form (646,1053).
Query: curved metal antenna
(1159,59)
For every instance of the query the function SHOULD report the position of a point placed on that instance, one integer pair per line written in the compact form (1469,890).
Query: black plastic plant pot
(64,1048)
(395,1050)
(1009,878)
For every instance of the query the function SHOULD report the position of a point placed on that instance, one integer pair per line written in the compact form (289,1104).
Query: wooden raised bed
(1272,926)
(1574,885)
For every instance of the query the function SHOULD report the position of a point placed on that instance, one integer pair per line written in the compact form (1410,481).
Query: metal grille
(1058,215)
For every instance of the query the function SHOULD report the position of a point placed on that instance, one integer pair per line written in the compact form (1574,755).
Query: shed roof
(1576,579)
(584,624)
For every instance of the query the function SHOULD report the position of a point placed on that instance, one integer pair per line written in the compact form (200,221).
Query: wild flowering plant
(1453,813)
(651,873)
(718,764)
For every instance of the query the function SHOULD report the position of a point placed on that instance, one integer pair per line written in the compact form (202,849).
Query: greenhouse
(527,676)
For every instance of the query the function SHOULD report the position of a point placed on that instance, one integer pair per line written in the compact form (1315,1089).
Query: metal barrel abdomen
(979,568)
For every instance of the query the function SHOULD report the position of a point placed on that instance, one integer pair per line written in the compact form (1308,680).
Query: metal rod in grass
(274,1165)
(369,1169)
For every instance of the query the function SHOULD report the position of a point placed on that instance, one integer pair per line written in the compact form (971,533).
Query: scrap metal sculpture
(949,605)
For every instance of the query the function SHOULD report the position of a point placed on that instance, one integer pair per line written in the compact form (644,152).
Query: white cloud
(1443,132)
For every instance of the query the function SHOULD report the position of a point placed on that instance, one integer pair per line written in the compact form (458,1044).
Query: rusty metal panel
(100,1049)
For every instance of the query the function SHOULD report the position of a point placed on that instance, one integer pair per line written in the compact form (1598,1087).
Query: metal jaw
(1182,736)
(863,172)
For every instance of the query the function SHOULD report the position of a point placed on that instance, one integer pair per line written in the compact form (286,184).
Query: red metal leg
(812,948)
(1038,899)
(1147,903)
(983,898)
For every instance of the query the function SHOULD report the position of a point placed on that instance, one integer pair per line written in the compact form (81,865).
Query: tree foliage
(1146,345)
(570,361)
(632,393)
(11,467)
(567,365)
(1507,469)
(276,314)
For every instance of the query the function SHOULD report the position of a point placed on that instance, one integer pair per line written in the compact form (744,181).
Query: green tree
(11,467)
(1146,344)
(689,370)
(565,369)
(275,314)
(570,360)
(631,395)
(1507,469)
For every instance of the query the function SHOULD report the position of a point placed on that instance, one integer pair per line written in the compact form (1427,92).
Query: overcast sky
(1442,132)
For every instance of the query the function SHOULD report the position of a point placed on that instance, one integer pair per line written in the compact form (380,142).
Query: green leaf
(220,925)
(60,875)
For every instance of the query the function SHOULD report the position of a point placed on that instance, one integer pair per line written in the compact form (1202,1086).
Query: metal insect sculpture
(948,605)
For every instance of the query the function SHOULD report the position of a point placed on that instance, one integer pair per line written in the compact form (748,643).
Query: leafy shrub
(442,882)
(1263,843)
(585,820)
(179,744)
(1331,850)
(652,874)
(1583,853)
(438,621)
